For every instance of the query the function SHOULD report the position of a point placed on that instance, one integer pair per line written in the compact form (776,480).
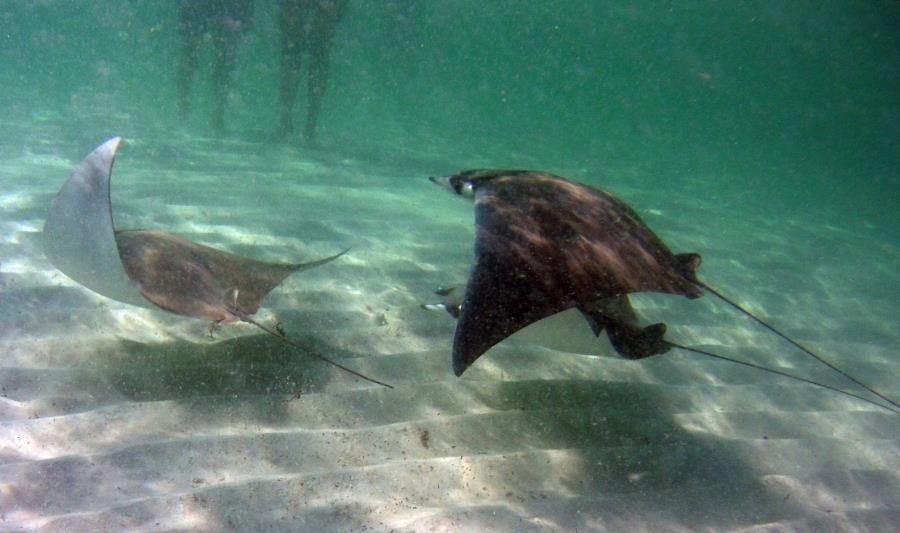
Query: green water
(785,97)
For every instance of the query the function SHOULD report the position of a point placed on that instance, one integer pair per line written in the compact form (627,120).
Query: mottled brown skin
(544,244)
(193,280)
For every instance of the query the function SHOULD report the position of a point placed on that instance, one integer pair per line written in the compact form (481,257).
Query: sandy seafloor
(114,417)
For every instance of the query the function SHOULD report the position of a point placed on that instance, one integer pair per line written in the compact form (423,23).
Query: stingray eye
(462,186)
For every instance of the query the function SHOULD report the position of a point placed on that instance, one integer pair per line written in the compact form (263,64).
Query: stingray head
(467,182)
(544,244)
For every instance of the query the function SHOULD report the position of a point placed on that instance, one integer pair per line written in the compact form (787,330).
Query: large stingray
(152,268)
(544,244)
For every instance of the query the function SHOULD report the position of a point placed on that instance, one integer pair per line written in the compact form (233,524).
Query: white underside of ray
(79,237)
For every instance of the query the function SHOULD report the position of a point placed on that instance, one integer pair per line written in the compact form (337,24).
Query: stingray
(544,245)
(155,269)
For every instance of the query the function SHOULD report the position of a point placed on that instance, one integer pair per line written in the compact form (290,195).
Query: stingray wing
(544,244)
(253,279)
(79,234)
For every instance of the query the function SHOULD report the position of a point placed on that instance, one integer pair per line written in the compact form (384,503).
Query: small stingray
(143,267)
(544,244)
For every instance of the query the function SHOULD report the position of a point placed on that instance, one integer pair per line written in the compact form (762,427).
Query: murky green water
(802,93)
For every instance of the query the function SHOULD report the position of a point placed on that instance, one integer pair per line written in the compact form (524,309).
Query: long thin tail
(800,346)
(315,354)
(780,373)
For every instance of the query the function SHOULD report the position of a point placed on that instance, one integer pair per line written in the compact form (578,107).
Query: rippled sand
(116,417)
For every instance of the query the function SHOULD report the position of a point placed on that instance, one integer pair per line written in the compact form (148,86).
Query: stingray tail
(780,373)
(317,355)
(809,352)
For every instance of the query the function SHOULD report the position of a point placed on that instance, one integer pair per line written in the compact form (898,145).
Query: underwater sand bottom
(113,417)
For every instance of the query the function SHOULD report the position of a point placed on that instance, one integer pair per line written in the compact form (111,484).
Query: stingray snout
(442,182)
(455,184)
